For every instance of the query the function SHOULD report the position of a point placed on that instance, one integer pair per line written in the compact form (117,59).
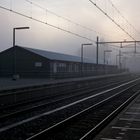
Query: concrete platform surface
(8,83)
(126,126)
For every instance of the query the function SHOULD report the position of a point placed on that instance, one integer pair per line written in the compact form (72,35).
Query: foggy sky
(81,11)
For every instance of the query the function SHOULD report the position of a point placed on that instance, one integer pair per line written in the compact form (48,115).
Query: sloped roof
(57,56)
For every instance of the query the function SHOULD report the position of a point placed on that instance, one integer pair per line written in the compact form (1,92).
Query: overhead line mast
(121,42)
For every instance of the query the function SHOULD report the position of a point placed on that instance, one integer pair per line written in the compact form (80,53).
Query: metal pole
(15,61)
(105,51)
(15,75)
(104,57)
(124,62)
(120,59)
(14,52)
(82,59)
(104,63)
(13,37)
(97,50)
(116,59)
(82,55)
(135,47)
(121,45)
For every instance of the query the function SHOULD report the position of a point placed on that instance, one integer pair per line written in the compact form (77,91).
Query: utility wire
(65,18)
(56,27)
(123,16)
(112,20)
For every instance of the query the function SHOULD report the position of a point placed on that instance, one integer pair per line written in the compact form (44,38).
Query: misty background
(81,12)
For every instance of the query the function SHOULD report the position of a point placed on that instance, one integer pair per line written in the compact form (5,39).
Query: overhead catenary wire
(62,17)
(109,17)
(52,25)
(60,28)
(69,20)
(65,18)
(123,16)
(11,4)
(56,27)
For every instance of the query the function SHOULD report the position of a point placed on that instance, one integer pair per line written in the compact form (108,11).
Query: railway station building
(35,63)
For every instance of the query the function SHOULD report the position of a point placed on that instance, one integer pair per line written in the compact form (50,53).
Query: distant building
(35,63)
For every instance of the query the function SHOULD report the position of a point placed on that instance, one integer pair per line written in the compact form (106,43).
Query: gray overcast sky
(81,11)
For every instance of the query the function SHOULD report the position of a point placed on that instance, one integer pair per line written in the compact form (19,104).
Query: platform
(8,83)
(126,126)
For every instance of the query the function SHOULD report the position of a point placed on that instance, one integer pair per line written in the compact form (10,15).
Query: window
(54,67)
(62,65)
(38,64)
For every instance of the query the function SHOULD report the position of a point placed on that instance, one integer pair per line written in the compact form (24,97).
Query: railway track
(22,107)
(19,96)
(86,124)
(8,113)
(67,108)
